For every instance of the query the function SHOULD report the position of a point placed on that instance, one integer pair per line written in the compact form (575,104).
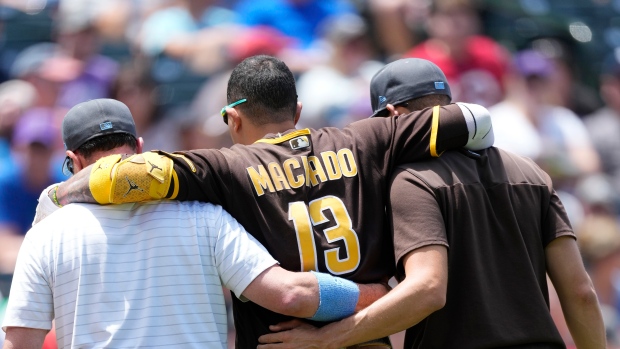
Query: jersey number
(304,218)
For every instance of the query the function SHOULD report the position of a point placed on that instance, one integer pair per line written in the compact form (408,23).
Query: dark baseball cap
(92,119)
(406,79)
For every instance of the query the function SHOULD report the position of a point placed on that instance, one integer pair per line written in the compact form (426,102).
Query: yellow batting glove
(140,177)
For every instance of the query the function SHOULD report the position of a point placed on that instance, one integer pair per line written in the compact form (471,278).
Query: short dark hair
(427,102)
(107,142)
(269,87)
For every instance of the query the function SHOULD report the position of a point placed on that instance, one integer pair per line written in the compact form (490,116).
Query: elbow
(297,302)
(585,295)
(436,299)
(430,296)
(434,294)
(480,126)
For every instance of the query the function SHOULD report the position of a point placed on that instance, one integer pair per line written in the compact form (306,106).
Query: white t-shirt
(134,275)
(46,206)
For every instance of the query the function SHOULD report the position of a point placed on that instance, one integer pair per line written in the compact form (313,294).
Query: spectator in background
(474,64)
(194,31)
(393,22)
(79,40)
(135,87)
(529,124)
(46,70)
(16,96)
(568,90)
(335,93)
(299,19)
(604,124)
(32,146)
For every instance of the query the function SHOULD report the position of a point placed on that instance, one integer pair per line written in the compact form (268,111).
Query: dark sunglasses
(232,105)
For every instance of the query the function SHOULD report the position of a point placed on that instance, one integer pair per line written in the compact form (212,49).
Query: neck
(125,149)
(259,132)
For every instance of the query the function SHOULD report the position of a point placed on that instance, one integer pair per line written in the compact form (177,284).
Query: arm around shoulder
(316,296)
(117,179)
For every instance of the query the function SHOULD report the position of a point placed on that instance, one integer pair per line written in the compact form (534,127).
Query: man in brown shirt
(314,198)
(475,234)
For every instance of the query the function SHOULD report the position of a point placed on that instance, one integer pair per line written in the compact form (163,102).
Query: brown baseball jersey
(316,198)
(496,212)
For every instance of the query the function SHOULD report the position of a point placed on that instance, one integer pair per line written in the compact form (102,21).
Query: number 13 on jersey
(305,218)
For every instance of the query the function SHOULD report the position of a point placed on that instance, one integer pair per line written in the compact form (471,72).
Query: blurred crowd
(548,70)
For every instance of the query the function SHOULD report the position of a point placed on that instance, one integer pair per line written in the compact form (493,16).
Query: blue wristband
(337,297)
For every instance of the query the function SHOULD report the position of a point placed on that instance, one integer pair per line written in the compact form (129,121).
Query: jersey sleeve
(239,257)
(415,216)
(412,137)
(555,221)
(30,302)
(430,133)
(201,175)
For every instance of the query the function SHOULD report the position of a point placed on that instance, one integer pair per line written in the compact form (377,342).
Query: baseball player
(151,274)
(475,234)
(314,198)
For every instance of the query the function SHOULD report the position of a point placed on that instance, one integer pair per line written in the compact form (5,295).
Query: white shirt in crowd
(134,275)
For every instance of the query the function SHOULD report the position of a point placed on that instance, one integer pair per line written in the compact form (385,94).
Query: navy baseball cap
(92,119)
(406,79)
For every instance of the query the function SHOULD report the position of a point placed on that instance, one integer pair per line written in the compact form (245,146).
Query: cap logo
(439,85)
(382,100)
(105,125)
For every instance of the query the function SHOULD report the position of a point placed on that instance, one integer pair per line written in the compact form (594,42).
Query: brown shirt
(316,198)
(496,212)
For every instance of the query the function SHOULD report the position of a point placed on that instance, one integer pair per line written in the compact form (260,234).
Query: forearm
(576,293)
(303,297)
(24,338)
(422,292)
(584,319)
(75,189)
(370,293)
(406,305)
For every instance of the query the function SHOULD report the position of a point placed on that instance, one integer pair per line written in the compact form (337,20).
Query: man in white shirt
(148,275)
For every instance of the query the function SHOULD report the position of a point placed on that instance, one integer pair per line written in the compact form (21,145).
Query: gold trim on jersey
(188,161)
(175,182)
(434,130)
(284,138)
(179,156)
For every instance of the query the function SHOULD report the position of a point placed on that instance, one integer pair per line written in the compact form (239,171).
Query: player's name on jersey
(296,172)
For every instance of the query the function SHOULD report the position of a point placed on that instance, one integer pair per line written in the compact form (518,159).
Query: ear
(234,119)
(139,145)
(392,110)
(298,112)
(78,164)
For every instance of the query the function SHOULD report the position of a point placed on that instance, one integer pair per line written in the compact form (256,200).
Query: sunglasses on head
(232,105)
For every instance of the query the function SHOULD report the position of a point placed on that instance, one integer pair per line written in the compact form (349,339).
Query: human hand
(292,334)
